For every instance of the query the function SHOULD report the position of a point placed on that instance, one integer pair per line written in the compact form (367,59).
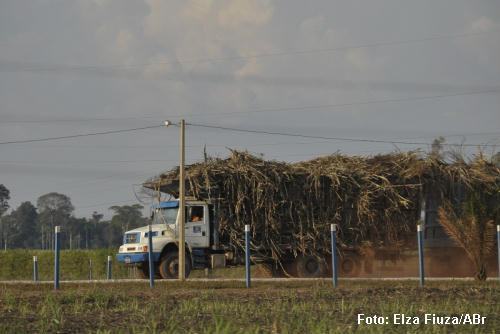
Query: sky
(406,71)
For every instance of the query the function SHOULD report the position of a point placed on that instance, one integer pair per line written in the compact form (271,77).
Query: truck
(376,201)
(206,249)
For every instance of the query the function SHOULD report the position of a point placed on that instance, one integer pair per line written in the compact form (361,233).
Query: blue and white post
(420,239)
(57,248)
(498,248)
(333,232)
(247,255)
(35,268)
(109,268)
(150,258)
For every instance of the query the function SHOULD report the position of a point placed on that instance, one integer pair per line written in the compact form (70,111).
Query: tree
(126,217)
(496,159)
(4,197)
(4,206)
(54,209)
(91,227)
(472,226)
(437,146)
(23,226)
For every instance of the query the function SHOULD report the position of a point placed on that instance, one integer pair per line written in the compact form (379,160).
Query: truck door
(197,227)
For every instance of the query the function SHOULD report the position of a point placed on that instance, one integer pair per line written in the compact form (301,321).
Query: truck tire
(308,266)
(169,266)
(350,265)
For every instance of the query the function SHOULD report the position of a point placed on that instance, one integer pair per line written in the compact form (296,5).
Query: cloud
(158,66)
(251,68)
(358,58)
(485,53)
(245,12)
(482,24)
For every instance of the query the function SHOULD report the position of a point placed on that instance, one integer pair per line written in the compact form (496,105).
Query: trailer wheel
(350,266)
(169,266)
(309,266)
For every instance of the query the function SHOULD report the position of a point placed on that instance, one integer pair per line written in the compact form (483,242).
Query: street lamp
(182,202)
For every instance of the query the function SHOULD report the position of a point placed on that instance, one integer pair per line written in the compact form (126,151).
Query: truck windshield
(166,216)
(132,238)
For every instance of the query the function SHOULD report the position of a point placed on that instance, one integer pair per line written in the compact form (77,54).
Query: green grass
(268,307)
(17,264)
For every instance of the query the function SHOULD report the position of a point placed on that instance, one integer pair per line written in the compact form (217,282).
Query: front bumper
(131,258)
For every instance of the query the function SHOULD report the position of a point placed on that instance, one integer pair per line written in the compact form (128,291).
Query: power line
(337,105)
(237,130)
(83,161)
(19,67)
(78,135)
(71,120)
(297,108)
(323,137)
(155,147)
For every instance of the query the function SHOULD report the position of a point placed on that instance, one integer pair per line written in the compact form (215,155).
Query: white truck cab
(198,227)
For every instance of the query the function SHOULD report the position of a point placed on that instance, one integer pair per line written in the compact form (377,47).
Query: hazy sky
(321,68)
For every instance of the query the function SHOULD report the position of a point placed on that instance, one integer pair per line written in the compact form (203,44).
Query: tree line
(32,226)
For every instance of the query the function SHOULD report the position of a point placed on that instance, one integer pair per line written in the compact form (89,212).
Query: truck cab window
(195,213)
(166,216)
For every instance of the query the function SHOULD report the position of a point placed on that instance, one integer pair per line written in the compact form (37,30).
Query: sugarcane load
(376,202)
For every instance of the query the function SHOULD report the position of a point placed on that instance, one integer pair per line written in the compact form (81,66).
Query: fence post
(150,258)
(57,249)
(35,268)
(247,255)
(420,239)
(90,269)
(498,249)
(109,273)
(333,231)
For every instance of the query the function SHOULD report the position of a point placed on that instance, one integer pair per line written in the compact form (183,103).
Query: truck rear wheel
(309,266)
(169,266)
(350,265)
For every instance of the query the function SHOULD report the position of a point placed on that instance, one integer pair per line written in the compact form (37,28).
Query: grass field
(17,264)
(227,307)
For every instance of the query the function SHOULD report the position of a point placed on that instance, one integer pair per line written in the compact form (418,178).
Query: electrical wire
(326,138)
(78,135)
(298,108)
(51,68)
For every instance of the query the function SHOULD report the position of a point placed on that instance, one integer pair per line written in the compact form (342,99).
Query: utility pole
(182,206)
(182,201)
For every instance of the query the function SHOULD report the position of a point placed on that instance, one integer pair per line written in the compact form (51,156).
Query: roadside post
(57,248)
(150,257)
(35,268)
(247,255)
(498,250)
(333,231)
(420,239)
(90,269)
(109,268)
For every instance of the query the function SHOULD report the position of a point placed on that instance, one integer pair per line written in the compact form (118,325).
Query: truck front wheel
(169,266)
